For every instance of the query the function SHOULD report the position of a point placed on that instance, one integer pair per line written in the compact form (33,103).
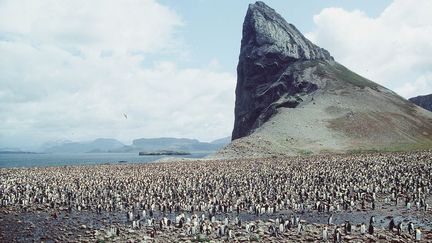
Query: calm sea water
(61,159)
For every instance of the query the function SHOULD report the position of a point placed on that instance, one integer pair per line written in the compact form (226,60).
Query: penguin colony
(334,198)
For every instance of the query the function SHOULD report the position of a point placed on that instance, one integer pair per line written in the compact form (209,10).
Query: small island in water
(164,152)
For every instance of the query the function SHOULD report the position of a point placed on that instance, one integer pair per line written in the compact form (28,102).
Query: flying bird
(125,116)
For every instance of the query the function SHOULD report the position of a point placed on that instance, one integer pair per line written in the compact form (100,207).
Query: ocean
(62,159)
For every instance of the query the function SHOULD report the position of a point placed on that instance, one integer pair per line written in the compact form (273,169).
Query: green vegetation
(304,152)
(201,238)
(347,75)
(254,237)
(327,151)
(337,71)
(362,150)
(405,147)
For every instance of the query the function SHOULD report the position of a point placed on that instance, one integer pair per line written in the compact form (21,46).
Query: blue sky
(212,29)
(70,69)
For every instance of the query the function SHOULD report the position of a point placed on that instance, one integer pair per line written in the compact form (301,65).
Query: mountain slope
(222,141)
(292,97)
(424,101)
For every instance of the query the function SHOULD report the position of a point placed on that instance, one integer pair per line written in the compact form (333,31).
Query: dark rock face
(423,101)
(271,59)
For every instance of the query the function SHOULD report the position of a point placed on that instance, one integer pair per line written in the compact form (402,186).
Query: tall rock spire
(265,32)
(269,46)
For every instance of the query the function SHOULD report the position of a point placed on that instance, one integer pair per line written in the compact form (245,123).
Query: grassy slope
(364,117)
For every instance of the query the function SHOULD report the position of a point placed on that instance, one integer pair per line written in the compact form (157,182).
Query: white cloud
(90,26)
(419,86)
(70,69)
(393,49)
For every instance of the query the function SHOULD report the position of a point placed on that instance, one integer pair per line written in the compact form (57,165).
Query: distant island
(164,152)
(17,152)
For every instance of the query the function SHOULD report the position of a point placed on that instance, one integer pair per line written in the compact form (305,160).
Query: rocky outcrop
(424,101)
(292,97)
(267,77)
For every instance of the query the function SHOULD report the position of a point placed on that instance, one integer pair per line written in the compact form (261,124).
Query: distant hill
(10,150)
(173,144)
(424,101)
(138,145)
(98,145)
(14,151)
(224,141)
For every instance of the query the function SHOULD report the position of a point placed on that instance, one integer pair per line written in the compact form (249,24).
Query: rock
(268,48)
(348,237)
(424,101)
(382,237)
(309,238)
(312,101)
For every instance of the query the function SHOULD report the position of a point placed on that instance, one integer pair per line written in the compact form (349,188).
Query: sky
(78,70)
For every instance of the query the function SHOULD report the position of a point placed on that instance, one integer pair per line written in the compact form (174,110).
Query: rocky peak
(266,79)
(266,33)
(424,101)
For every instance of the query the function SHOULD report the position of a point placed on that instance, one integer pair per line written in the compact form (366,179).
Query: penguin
(252,228)
(371,229)
(418,234)
(347,227)
(372,220)
(230,234)
(271,230)
(362,229)
(391,224)
(325,234)
(399,228)
(410,228)
(337,236)
(330,219)
(299,228)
